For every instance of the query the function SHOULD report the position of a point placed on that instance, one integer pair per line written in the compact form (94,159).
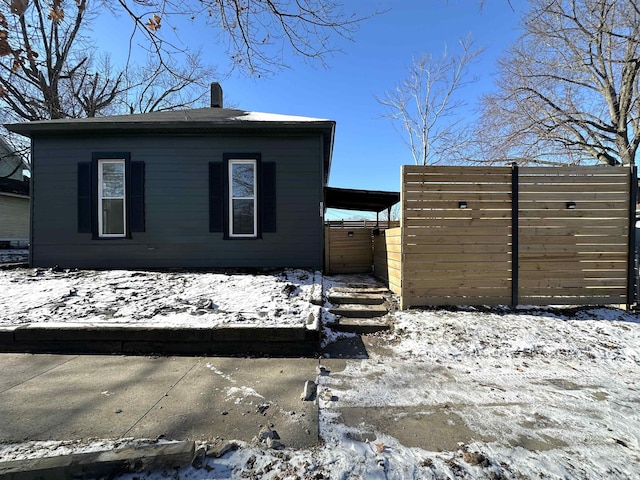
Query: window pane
(243,217)
(113,217)
(113,180)
(242,175)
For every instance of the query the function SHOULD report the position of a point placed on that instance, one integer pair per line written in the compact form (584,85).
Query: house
(14,199)
(201,188)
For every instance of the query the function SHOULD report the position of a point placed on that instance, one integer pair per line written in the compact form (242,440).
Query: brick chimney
(216,95)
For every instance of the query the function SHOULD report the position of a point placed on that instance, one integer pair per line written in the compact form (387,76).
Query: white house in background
(14,199)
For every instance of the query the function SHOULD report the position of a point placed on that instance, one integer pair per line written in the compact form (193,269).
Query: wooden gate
(348,249)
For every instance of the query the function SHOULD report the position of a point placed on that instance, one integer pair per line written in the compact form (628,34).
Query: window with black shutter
(242,196)
(111,196)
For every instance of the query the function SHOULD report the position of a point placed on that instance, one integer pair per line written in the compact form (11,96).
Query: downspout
(31,196)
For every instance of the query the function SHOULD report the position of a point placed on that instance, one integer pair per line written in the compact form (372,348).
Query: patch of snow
(222,374)
(241,393)
(275,117)
(53,299)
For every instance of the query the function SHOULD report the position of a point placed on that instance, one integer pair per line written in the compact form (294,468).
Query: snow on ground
(54,299)
(546,395)
(537,393)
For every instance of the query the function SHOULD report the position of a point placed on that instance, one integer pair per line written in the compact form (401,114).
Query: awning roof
(362,200)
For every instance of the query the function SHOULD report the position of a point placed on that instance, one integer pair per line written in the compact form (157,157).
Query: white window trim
(254,163)
(101,162)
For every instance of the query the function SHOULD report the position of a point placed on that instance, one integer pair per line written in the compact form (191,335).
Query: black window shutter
(216,198)
(137,197)
(94,198)
(268,197)
(84,197)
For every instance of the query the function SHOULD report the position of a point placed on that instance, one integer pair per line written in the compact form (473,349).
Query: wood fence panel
(456,235)
(381,257)
(574,234)
(348,250)
(387,250)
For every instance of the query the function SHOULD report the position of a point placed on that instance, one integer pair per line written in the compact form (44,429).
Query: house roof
(200,120)
(14,187)
(361,200)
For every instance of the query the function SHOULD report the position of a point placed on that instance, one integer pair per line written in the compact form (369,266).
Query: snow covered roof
(193,119)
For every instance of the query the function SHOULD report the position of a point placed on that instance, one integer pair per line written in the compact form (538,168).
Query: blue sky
(368,150)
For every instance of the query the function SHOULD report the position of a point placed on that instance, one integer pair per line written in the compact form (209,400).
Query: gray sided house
(202,188)
(14,199)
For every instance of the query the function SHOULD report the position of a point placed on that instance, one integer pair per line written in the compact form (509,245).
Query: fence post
(631,269)
(514,234)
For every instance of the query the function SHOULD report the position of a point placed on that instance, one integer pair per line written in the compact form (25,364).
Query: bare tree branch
(258,34)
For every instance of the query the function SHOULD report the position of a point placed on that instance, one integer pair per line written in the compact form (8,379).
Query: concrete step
(359,311)
(359,289)
(341,298)
(362,325)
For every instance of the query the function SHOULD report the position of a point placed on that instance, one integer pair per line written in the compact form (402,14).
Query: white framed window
(112,216)
(242,198)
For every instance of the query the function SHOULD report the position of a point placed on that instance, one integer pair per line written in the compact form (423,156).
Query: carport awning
(362,200)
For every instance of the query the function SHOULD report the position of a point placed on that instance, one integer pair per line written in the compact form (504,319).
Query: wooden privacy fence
(512,236)
(349,245)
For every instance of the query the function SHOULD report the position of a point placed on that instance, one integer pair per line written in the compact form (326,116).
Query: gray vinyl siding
(14,215)
(177,204)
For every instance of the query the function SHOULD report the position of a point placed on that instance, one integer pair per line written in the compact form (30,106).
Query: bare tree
(568,89)
(425,107)
(48,68)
